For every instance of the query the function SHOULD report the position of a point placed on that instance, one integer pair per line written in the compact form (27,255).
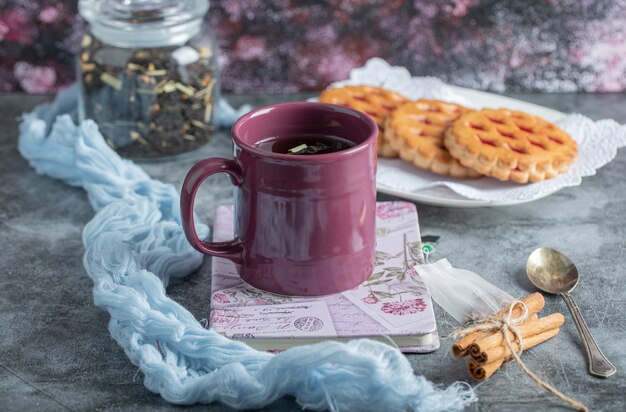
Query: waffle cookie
(510,145)
(374,101)
(416,131)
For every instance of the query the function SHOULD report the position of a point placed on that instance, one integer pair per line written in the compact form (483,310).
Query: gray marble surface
(56,353)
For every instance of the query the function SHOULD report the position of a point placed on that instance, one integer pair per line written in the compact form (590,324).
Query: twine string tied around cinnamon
(505,323)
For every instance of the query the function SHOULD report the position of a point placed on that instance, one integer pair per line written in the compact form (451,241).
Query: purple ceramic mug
(304,224)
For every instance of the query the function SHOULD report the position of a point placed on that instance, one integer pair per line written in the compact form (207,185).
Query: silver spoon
(553,272)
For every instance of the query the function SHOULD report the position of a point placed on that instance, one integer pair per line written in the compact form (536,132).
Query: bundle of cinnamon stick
(488,350)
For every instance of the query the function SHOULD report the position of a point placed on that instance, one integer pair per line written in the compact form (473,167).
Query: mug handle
(231,249)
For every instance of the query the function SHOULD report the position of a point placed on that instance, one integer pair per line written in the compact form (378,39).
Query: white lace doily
(598,142)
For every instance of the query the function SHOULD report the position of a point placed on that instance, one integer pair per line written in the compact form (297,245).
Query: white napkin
(598,142)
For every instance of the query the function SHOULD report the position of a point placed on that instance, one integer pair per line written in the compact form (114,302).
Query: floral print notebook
(392,306)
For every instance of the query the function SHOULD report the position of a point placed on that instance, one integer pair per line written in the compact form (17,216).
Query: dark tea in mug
(314,144)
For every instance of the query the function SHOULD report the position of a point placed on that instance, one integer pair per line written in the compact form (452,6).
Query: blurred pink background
(289,45)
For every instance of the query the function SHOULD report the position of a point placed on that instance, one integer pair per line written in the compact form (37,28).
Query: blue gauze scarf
(135,244)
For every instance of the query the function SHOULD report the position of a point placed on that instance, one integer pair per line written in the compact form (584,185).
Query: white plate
(442,196)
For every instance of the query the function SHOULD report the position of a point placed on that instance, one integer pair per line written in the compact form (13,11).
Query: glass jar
(148,75)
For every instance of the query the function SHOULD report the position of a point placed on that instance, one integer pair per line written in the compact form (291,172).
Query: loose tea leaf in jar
(144,102)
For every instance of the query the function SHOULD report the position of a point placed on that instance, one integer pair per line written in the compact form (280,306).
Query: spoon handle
(599,365)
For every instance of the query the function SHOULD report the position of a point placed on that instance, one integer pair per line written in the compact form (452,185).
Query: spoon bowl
(553,272)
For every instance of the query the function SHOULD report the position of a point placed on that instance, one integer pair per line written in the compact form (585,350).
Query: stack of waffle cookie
(452,140)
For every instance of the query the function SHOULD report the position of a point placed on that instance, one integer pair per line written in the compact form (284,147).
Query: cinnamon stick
(502,351)
(526,329)
(534,302)
(480,372)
